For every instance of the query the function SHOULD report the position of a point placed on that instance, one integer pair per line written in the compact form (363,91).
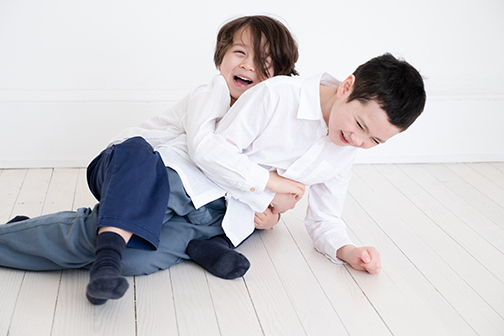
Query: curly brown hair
(268,34)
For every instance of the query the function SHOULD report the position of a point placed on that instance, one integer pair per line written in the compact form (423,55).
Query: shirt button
(252,189)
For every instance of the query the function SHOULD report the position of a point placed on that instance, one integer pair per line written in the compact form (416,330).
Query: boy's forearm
(222,160)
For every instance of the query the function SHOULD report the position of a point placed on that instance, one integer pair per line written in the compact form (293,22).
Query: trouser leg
(131,183)
(182,223)
(67,239)
(56,241)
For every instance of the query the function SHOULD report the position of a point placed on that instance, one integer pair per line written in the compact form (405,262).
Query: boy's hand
(282,185)
(283,202)
(266,220)
(365,258)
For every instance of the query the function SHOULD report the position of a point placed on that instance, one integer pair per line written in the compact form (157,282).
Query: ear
(346,86)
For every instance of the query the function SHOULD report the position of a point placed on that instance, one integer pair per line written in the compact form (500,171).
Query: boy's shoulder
(216,88)
(217,82)
(283,80)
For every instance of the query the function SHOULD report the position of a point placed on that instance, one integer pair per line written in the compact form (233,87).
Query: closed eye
(375,140)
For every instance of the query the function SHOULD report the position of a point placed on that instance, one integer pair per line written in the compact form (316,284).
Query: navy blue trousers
(131,183)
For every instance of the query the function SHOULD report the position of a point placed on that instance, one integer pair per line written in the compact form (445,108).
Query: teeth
(244,79)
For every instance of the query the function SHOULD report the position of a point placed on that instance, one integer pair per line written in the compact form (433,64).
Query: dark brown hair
(268,34)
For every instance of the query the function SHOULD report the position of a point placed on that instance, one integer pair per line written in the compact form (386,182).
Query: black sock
(105,280)
(218,257)
(18,219)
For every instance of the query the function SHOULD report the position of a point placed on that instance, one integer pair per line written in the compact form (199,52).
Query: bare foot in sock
(106,287)
(218,258)
(106,282)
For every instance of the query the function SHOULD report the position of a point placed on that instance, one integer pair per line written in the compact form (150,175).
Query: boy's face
(238,68)
(357,124)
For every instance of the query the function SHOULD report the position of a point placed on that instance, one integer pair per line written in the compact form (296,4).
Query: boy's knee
(137,153)
(135,146)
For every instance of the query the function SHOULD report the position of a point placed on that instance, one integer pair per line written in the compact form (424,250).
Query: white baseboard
(66,129)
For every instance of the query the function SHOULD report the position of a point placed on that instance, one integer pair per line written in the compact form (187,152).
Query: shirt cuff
(258,202)
(261,178)
(332,256)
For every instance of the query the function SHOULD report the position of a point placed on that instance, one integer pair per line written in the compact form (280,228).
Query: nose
(357,140)
(247,64)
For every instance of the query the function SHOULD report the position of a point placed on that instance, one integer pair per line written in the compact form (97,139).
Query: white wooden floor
(439,228)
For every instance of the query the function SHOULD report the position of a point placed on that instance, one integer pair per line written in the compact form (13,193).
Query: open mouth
(343,139)
(242,80)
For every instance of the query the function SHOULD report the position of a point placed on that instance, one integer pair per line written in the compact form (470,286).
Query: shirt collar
(310,95)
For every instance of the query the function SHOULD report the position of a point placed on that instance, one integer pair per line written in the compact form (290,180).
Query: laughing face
(358,124)
(238,68)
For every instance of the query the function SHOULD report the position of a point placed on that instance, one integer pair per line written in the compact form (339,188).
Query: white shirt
(278,125)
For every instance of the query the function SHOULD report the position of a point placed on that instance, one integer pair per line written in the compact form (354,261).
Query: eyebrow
(367,130)
(240,45)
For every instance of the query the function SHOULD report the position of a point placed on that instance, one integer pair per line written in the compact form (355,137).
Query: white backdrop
(73,73)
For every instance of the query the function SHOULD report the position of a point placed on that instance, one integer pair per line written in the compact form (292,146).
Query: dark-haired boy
(308,130)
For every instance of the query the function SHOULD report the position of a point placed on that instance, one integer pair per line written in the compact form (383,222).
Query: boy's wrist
(344,251)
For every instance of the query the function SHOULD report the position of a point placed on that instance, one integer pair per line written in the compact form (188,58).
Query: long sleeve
(185,118)
(222,155)
(323,219)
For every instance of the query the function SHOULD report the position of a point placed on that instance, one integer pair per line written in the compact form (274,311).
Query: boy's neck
(327,98)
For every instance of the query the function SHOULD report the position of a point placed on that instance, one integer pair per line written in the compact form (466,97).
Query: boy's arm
(159,129)
(222,155)
(223,159)
(328,230)
(323,217)
(169,128)
(204,111)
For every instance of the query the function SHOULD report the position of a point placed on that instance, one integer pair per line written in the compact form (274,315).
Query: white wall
(74,73)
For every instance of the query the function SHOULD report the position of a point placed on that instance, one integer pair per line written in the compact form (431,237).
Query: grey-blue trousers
(67,239)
